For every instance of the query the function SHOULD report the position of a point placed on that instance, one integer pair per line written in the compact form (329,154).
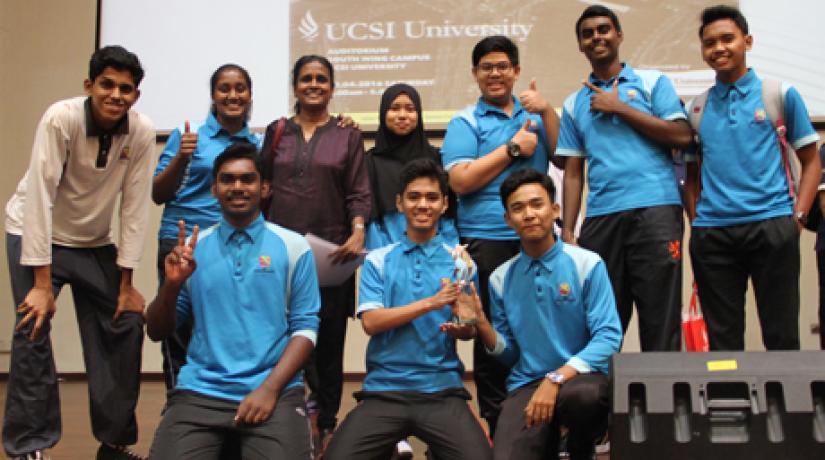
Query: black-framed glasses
(488,67)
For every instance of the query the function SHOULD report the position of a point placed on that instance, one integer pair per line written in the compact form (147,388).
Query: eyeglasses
(488,67)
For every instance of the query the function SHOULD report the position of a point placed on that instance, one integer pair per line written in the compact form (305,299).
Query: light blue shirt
(392,227)
(625,170)
(416,356)
(253,289)
(555,310)
(473,133)
(193,201)
(743,178)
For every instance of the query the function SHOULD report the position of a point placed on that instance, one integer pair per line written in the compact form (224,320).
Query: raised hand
(526,138)
(38,306)
(345,120)
(180,262)
(604,101)
(188,142)
(532,100)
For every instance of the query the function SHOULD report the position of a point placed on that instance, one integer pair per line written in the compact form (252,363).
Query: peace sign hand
(604,101)
(180,262)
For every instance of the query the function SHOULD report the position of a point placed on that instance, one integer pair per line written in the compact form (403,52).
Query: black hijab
(392,152)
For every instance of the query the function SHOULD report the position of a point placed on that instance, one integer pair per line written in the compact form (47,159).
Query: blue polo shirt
(474,132)
(254,288)
(555,310)
(416,356)
(625,170)
(392,227)
(193,200)
(743,178)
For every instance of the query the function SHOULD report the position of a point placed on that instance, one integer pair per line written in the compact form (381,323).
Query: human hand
(180,262)
(526,139)
(532,100)
(540,408)
(129,299)
(446,296)
(345,120)
(38,306)
(256,407)
(458,331)
(350,250)
(188,142)
(604,101)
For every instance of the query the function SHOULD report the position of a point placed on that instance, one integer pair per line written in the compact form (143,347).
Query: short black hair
(236,151)
(597,11)
(424,167)
(715,13)
(213,80)
(304,60)
(493,44)
(118,58)
(526,176)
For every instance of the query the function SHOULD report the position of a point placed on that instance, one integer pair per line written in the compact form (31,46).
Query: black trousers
(111,353)
(489,374)
(582,406)
(324,372)
(820,267)
(642,250)
(194,427)
(724,258)
(443,421)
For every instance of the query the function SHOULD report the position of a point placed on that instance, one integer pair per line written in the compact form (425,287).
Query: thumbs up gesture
(532,100)
(188,142)
(526,138)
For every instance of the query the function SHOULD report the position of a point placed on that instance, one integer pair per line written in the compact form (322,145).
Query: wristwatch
(555,377)
(513,149)
(801,217)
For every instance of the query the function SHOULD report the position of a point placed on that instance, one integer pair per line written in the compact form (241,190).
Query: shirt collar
(626,75)
(92,128)
(483,107)
(251,232)
(546,260)
(213,128)
(742,86)
(429,247)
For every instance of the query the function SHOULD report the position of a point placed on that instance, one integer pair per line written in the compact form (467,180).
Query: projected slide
(428,43)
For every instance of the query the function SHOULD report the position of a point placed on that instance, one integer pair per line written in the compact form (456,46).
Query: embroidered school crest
(631,94)
(124,153)
(760,115)
(264,262)
(697,108)
(564,289)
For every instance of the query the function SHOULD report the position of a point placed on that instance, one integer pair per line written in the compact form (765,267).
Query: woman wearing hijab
(400,138)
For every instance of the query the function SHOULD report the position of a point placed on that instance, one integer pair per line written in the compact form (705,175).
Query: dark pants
(489,374)
(642,250)
(111,353)
(725,257)
(173,348)
(820,266)
(443,421)
(194,427)
(581,406)
(324,372)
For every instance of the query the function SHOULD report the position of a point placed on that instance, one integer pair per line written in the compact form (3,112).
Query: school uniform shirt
(473,133)
(416,356)
(68,194)
(742,173)
(555,310)
(392,227)
(193,201)
(625,170)
(254,289)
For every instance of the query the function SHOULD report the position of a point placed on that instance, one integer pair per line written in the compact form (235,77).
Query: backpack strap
(773,97)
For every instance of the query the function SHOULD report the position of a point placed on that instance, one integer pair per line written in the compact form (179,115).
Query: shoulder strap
(774,100)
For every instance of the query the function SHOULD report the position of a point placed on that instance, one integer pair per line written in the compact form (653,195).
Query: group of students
(462,247)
